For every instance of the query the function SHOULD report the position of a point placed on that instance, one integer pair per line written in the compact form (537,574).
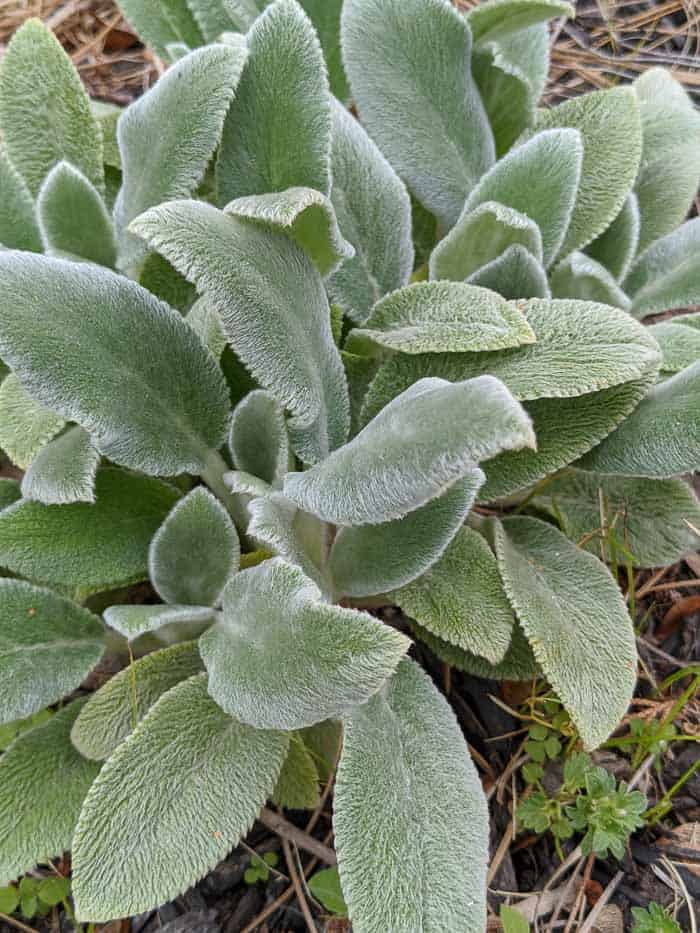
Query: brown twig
(291,833)
(298,886)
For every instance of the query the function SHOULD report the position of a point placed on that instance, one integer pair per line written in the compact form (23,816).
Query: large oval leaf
(273,310)
(281,659)
(102,351)
(188,771)
(420,443)
(576,620)
(404,753)
(408,66)
(48,646)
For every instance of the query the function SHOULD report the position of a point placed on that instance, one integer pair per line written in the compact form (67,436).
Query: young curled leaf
(581,277)
(514,274)
(64,470)
(132,621)
(26,426)
(258,438)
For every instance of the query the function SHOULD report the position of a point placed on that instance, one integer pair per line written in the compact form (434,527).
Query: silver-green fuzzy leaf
(102,351)
(195,551)
(26,426)
(408,66)
(273,310)
(282,659)
(162,24)
(518,664)
(277,134)
(499,18)
(212,17)
(258,438)
(424,440)
(43,782)
(64,470)
(617,246)
(188,771)
(514,274)
(48,646)
(405,752)
(667,274)
(297,786)
(277,524)
(113,712)
(19,228)
(576,620)
(132,621)
(581,277)
(44,111)
(680,344)
(461,599)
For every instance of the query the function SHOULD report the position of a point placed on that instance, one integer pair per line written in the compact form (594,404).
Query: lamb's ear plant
(222,379)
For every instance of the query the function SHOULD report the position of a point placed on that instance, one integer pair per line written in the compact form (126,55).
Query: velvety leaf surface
(212,17)
(277,524)
(445,317)
(610,128)
(168,136)
(650,519)
(132,621)
(206,323)
(370,559)
(82,544)
(163,24)
(374,213)
(616,247)
(43,782)
(479,237)
(518,664)
(113,712)
(514,274)
(500,18)
(25,425)
(297,785)
(137,379)
(48,646)
(44,111)
(73,218)
(667,275)
(421,442)
(273,310)
(306,216)
(281,659)
(538,178)
(18,224)
(661,438)
(461,599)
(670,168)
(258,438)
(422,108)
(581,277)
(64,470)
(188,771)
(194,551)
(680,345)
(405,784)
(277,134)
(576,620)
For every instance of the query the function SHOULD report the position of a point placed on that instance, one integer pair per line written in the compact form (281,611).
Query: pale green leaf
(325,15)
(244,12)
(212,17)
(237,481)
(424,440)
(107,116)
(113,712)
(404,752)
(44,111)
(277,134)
(162,23)
(499,18)
(480,236)
(18,224)
(132,621)
(408,66)
(650,520)
(670,168)
(100,350)
(325,887)
(282,659)
(187,772)
(661,438)
(576,620)
(667,274)
(306,216)
(206,323)
(84,544)
(323,742)
(444,317)
(195,551)
(297,785)
(168,136)
(258,437)
(73,218)
(64,470)
(374,213)
(162,280)
(25,425)
(686,320)
(278,525)
(680,344)
(514,274)
(43,782)
(461,599)
(538,178)
(616,247)
(610,129)
(370,559)
(273,310)
(513,921)
(48,646)
(581,277)
(360,371)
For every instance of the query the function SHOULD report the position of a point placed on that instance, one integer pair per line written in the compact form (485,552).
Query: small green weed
(653,919)
(34,897)
(259,869)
